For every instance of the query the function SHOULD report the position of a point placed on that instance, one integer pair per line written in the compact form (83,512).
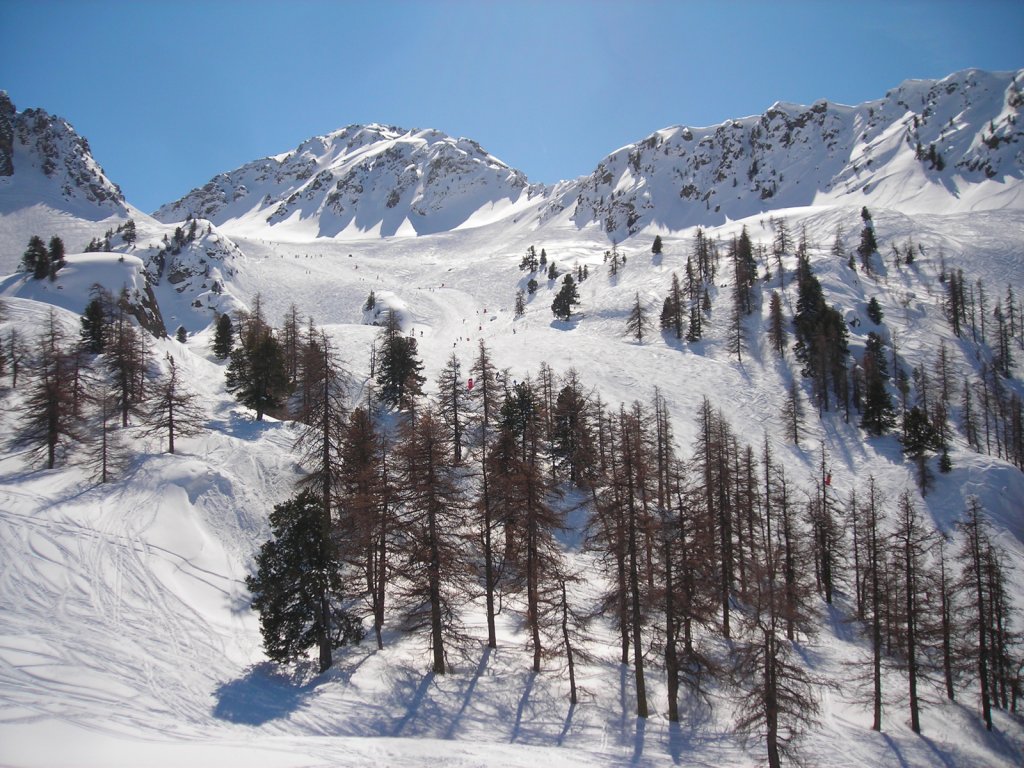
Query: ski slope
(125,634)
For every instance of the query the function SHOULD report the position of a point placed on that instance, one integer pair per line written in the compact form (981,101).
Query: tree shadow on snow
(414,704)
(694,732)
(467,697)
(265,693)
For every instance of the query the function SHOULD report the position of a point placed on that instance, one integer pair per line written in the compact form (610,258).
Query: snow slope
(125,633)
(123,621)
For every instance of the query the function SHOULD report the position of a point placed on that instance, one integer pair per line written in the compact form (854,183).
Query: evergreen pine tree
(919,439)
(297,587)
(256,374)
(656,245)
(868,245)
(398,366)
(55,255)
(567,298)
(671,318)
(877,415)
(875,311)
(520,303)
(96,320)
(36,259)
(224,337)
(638,324)
(776,324)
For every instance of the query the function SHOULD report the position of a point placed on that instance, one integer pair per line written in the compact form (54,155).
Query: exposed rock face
(6,135)
(954,133)
(365,177)
(36,143)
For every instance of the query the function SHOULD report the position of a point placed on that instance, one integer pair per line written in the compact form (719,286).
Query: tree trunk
(492,641)
(568,645)
(437,639)
(771,707)
(915,720)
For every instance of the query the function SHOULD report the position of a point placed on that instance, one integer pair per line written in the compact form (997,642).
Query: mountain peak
(375,178)
(43,158)
(950,144)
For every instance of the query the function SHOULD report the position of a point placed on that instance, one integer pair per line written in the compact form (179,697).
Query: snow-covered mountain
(126,635)
(44,160)
(371,179)
(952,145)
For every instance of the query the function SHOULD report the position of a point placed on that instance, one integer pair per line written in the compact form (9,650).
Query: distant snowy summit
(948,145)
(927,146)
(43,160)
(373,179)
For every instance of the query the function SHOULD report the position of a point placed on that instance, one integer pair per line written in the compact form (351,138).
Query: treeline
(719,564)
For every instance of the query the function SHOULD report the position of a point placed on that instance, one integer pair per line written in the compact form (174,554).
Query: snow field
(125,636)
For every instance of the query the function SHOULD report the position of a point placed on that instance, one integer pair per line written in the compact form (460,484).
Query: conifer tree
(257,375)
(567,298)
(173,408)
(868,246)
(573,446)
(291,343)
(368,498)
(55,257)
(451,404)
(877,416)
(324,416)
(656,246)
(520,303)
(821,336)
(126,358)
(919,439)
(484,397)
(874,311)
(520,484)
(432,563)
(297,587)
(876,597)
(50,423)
(97,320)
(776,324)
(672,311)
(17,353)
(777,694)
(36,260)
(638,324)
(744,272)
(913,543)
(398,366)
(972,558)
(107,455)
(224,337)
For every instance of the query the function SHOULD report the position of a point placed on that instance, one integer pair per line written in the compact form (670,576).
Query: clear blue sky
(171,93)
